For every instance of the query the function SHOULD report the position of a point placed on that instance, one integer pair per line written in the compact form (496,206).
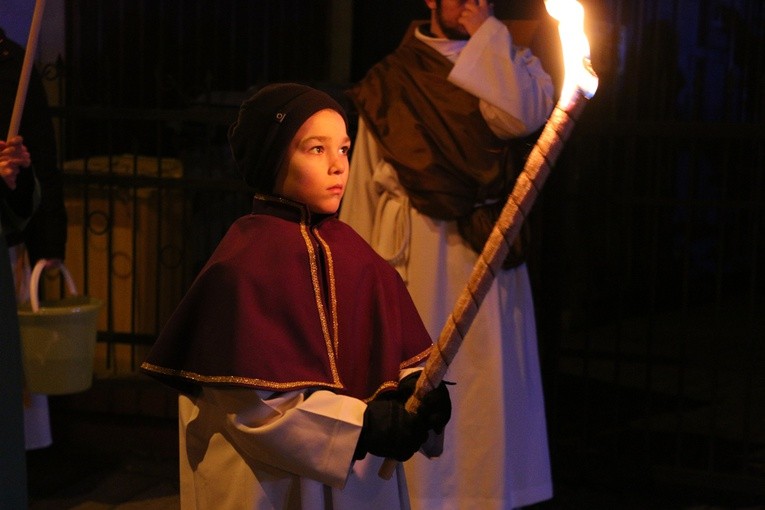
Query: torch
(26,69)
(579,85)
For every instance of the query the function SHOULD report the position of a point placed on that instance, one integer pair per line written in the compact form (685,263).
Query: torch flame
(576,49)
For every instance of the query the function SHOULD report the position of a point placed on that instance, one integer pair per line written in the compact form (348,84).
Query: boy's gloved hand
(391,431)
(435,408)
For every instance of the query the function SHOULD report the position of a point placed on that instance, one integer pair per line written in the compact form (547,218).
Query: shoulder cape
(284,304)
(432,133)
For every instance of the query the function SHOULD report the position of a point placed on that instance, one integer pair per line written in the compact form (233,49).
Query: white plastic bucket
(58,338)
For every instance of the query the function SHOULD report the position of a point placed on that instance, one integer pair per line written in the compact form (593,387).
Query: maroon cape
(287,302)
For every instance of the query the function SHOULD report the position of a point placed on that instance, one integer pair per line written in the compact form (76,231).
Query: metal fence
(647,267)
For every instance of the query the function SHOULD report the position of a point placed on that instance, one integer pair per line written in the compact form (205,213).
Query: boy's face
(316,168)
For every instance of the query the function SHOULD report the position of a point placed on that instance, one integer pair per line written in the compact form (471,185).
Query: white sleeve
(312,435)
(515,92)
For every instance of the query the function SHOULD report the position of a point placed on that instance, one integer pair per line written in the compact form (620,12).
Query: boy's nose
(338,165)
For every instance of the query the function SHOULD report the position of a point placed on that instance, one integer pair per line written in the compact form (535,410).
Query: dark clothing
(15,206)
(45,234)
(13,480)
(291,301)
(17,201)
(431,131)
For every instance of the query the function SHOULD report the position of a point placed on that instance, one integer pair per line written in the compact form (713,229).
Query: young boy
(289,346)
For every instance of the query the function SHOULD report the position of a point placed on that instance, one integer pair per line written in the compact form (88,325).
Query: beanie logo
(280,117)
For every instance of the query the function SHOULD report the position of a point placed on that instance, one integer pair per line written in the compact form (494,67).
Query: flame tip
(578,70)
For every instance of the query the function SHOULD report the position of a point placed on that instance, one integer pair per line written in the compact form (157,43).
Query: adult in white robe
(496,450)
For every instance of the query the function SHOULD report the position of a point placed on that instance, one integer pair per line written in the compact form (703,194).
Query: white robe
(495,453)
(245,449)
(289,453)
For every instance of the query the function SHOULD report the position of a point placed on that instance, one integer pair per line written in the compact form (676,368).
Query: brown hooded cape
(432,133)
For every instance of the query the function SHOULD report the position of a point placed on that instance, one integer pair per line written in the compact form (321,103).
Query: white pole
(26,69)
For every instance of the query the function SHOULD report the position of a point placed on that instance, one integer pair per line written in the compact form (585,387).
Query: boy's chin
(324,209)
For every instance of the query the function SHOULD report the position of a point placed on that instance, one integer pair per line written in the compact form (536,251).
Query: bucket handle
(34,282)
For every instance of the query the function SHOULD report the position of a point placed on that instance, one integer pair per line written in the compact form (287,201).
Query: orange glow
(576,49)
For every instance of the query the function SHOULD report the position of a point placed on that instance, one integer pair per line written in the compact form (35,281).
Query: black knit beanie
(266,124)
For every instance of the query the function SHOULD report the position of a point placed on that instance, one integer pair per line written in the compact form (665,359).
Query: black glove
(435,408)
(391,431)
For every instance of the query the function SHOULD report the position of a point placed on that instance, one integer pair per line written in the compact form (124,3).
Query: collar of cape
(288,301)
